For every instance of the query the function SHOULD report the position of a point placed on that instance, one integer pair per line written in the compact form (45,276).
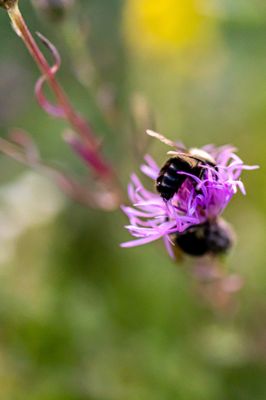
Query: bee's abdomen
(169,181)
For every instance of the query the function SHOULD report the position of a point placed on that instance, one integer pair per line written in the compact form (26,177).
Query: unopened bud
(7,4)
(54,9)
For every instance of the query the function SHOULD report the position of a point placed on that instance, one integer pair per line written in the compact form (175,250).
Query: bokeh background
(80,318)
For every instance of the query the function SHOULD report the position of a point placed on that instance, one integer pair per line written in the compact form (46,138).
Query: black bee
(211,237)
(169,181)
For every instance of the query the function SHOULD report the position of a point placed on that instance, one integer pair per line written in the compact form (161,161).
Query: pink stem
(80,125)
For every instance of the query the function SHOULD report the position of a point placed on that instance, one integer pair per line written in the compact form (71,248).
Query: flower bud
(53,9)
(7,4)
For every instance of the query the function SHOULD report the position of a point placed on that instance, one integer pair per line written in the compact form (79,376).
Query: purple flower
(198,201)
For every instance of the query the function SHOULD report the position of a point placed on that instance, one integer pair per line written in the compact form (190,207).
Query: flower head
(199,200)
(164,25)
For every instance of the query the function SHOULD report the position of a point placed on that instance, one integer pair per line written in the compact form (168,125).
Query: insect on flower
(193,189)
(194,161)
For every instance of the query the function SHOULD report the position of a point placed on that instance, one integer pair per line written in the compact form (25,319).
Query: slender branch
(21,148)
(80,125)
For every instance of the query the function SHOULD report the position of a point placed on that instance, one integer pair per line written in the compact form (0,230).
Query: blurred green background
(80,318)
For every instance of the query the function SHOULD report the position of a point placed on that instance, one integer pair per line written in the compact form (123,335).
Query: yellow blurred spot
(163,25)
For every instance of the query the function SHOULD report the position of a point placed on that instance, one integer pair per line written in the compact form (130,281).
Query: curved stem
(80,125)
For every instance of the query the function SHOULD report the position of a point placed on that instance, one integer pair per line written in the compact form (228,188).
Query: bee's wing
(163,139)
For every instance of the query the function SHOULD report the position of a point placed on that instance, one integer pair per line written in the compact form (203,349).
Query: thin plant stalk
(101,167)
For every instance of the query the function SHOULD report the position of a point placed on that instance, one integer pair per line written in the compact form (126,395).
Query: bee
(190,161)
